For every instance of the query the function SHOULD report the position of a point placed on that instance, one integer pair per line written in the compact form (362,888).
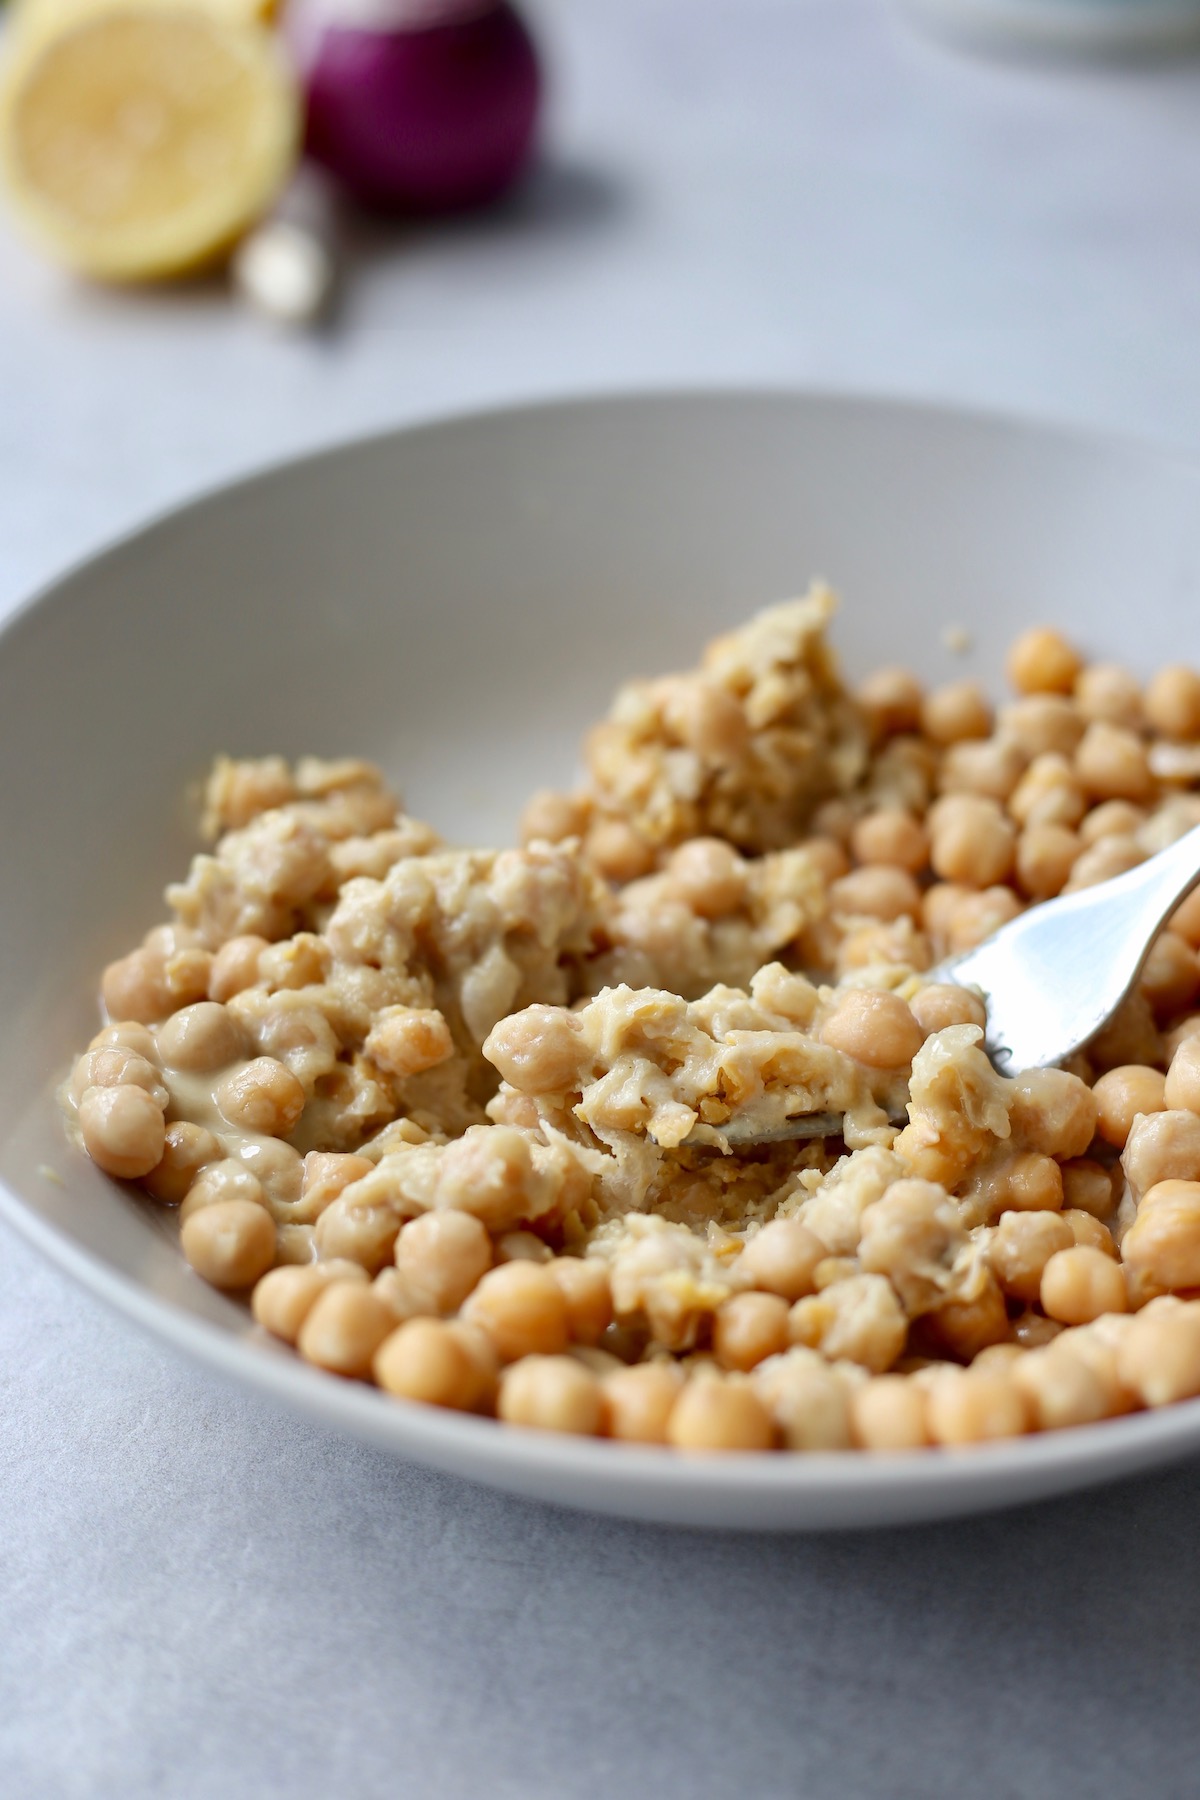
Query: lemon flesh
(142,141)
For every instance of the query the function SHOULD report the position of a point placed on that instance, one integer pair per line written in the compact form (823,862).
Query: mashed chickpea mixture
(503,1130)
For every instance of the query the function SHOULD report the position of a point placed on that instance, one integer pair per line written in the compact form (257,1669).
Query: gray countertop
(199,1596)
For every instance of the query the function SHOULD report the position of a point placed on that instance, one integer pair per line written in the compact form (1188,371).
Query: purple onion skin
(426,121)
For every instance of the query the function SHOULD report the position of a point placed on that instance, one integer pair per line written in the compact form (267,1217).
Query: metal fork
(1054,976)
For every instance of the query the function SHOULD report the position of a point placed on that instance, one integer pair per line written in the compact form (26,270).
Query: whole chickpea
(1173,702)
(618,851)
(958,711)
(1048,793)
(962,1328)
(1022,1246)
(1170,978)
(977,915)
(1045,856)
(781,1258)
(1087,1230)
(201,1037)
(892,700)
(1107,691)
(1162,1146)
(1061,1389)
(584,1285)
(1181,1090)
(716,1412)
(135,987)
(1029,1182)
(1041,661)
(970,1406)
(407,1040)
(990,769)
(1122,1094)
(284,1297)
(876,892)
(942,1004)
(888,1412)
(442,1257)
(538,1051)
(1081,1283)
(638,1401)
(971,841)
(489,1172)
(748,1328)
(428,1360)
(874,1028)
(551,1393)
(1088,1187)
(230,1243)
(892,837)
(708,875)
(1111,764)
(262,1096)
(122,1129)
(235,966)
(129,1036)
(1159,1356)
(344,1328)
(187,1149)
(1162,1246)
(1112,818)
(551,816)
(1186,919)
(116,1065)
(327,1174)
(521,1307)
(218,1182)
(1043,724)
(707,717)
(1053,1111)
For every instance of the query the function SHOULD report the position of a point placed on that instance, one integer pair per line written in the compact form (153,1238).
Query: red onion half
(431,118)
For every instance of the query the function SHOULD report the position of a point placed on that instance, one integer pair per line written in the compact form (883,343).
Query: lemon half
(142,141)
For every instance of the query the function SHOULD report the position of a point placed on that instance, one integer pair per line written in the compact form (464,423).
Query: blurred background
(828,192)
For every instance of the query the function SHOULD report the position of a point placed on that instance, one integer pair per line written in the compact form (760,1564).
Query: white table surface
(199,1597)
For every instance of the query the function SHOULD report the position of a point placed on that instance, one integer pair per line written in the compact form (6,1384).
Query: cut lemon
(142,141)
(43,18)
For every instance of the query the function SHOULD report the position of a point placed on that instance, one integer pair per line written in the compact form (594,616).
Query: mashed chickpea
(507,1132)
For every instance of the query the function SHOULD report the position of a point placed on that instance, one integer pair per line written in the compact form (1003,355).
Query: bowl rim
(1085,1455)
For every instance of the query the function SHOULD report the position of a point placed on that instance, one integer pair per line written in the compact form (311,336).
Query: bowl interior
(458,603)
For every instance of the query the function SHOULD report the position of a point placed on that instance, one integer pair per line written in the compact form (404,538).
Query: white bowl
(458,602)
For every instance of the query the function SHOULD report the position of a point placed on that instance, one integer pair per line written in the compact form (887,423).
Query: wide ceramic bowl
(458,602)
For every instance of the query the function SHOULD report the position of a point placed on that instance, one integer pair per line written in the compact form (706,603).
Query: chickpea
(748,1328)
(489,1172)
(1112,818)
(122,1129)
(1053,1111)
(972,841)
(1181,1090)
(1108,692)
(638,1401)
(999,1357)
(1030,1182)
(942,1004)
(1131,1036)
(1162,1246)
(327,1174)
(1111,764)
(522,1246)
(230,1243)
(955,712)
(1162,1146)
(1033,1331)
(858,1318)
(550,817)
(218,1182)
(1171,976)
(442,1256)
(889,1413)
(407,1040)
(201,1037)
(362,1230)
(1186,919)
(284,1297)
(584,1285)
(1173,702)
(521,1307)
(707,717)
(1048,794)
(1042,662)
(618,851)
(876,892)
(1043,724)
(262,1096)
(709,877)
(808,1402)
(1061,1389)
(781,1258)
(939,905)
(874,1028)
(1121,1095)
(892,700)
(891,837)
(991,769)
(971,1406)
(128,1036)
(716,1412)
(344,1328)
(429,1360)
(1022,1246)
(280,1169)
(538,1051)
(551,1393)
(135,987)
(186,1150)
(1087,1187)
(1081,1283)
(1045,856)
(965,1327)
(1110,856)
(827,857)
(1087,1230)
(235,967)
(1159,1356)
(977,915)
